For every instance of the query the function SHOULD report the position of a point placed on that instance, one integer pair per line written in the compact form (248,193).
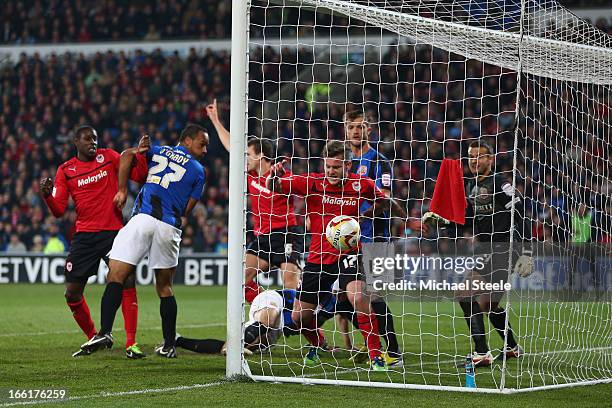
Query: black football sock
(386,327)
(475,322)
(497,318)
(111,300)
(167,311)
(205,346)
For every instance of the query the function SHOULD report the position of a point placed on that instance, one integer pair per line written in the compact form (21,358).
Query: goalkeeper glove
(524,264)
(432,218)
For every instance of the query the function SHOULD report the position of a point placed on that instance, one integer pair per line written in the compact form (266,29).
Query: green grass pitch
(38,335)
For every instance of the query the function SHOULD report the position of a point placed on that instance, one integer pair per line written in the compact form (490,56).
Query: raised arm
(223,133)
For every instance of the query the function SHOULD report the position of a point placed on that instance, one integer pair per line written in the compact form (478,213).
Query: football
(343,232)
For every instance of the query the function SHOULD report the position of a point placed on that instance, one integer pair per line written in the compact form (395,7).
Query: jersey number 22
(162,163)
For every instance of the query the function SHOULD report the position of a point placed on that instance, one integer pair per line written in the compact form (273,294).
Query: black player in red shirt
(278,241)
(335,192)
(90,178)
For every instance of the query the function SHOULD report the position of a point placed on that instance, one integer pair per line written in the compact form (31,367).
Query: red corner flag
(449,194)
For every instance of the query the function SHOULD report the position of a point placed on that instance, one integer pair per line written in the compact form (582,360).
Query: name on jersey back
(176,156)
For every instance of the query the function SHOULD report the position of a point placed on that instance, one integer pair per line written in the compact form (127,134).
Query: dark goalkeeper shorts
(278,247)
(86,251)
(317,280)
(497,268)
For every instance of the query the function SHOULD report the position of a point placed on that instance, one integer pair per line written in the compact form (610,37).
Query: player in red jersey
(335,192)
(278,241)
(90,178)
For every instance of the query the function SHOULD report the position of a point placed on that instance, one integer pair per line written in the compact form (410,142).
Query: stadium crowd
(60,21)
(56,21)
(421,115)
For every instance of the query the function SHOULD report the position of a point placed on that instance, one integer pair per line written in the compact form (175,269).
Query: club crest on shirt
(100,158)
(356,185)
(69,266)
(362,170)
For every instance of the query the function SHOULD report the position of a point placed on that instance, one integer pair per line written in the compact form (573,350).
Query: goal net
(529,81)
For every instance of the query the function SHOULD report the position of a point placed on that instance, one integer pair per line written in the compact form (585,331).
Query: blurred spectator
(187,241)
(55,243)
(221,247)
(38,244)
(15,246)
(581,224)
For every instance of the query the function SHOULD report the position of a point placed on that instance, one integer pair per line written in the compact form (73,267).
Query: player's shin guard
(167,311)
(251,290)
(129,307)
(386,326)
(81,314)
(497,318)
(475,322)
(111,299)
(368,325)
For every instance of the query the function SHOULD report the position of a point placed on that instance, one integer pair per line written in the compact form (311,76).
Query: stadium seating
(54,21)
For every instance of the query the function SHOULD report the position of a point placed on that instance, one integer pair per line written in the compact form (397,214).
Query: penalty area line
(105,394)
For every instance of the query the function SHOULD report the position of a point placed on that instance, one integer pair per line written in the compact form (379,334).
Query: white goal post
(527,77)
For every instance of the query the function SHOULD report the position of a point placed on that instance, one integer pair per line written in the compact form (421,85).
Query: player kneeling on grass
(489,212)
(174,186)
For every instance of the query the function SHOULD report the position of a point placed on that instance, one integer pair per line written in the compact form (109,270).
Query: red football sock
(313,334)
(80,312)
(368,325)
(129,307)
(251,290)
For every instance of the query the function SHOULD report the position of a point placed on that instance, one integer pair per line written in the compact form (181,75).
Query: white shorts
(144,235)
(269,299)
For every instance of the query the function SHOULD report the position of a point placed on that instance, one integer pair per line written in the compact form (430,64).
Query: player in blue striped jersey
(375,226)
(174,185)
(368,162)
(173,180)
